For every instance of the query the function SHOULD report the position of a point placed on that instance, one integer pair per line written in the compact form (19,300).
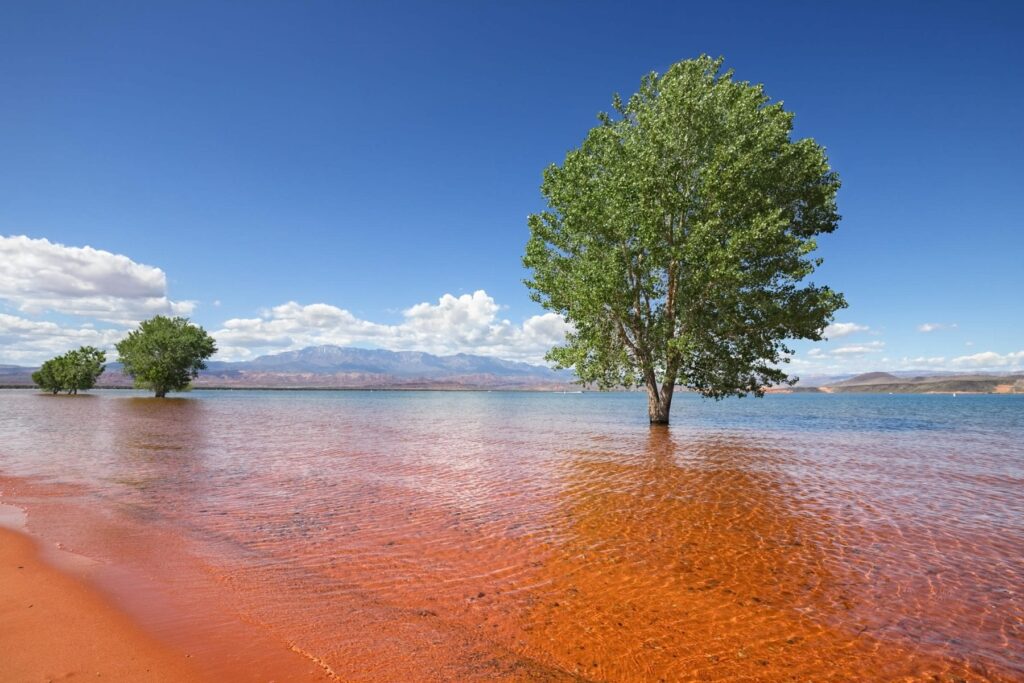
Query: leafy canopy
(677,235)
(165,354)
(72,372)
(48,377)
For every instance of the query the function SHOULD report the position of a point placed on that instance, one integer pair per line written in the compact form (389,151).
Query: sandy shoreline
(64,615)
(54,627)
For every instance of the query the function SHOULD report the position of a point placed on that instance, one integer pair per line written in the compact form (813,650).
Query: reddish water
(544,537)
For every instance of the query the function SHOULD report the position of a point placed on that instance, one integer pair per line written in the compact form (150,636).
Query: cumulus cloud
(38,276)
(836,330)
(469,323)
(934,327)
(858,349)
(990,360)
(29,342)
(862,358)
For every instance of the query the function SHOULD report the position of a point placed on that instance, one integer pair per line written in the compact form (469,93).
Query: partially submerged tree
(48,376)
(73,372)
(165,354)
(677,237)
(83,367)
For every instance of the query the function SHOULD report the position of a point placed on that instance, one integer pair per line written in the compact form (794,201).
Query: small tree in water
(676,238)
(48,376)
(165,354)
(73,372)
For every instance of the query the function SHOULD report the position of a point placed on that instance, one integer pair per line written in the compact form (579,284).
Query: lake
(532,536)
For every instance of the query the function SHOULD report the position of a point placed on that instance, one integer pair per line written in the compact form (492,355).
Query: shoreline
(818,391)
(54,626)
(66,615)
(368,389)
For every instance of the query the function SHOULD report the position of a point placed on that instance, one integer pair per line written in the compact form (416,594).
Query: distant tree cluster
(163,354)
(73,372)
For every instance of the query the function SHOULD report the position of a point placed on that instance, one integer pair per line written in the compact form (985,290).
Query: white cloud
(29,342)
(858,349)
(836,330)
(990,360)
(38,276)
(859,358)
(934,327)
(455,324)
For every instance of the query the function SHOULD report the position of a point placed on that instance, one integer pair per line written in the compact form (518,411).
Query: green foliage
(677,235)
(47,377)
(73,372)
(165,354)
(84,367)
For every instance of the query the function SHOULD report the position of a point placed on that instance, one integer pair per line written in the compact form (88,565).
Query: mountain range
(939,383)
(336,367)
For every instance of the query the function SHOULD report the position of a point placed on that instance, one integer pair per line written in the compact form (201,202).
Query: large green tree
(165,354)
(72,372)
(677,238)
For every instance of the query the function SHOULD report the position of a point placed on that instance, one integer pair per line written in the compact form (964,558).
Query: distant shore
(999,389)
(520,390)
(913,391)
(329,368)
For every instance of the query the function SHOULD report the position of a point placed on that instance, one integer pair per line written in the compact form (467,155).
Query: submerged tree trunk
(659,401)
(160,392)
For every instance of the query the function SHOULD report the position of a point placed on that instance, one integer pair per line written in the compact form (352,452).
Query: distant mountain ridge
(337,367)
(379,361)
(885,382)
(868,378)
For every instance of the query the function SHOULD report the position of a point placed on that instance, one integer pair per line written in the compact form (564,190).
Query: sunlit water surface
(467,536)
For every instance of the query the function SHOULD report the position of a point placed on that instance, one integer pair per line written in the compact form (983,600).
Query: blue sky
(328,172)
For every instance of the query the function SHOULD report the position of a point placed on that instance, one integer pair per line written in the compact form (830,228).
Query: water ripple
(549,537)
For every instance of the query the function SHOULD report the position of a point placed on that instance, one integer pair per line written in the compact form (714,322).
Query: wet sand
(54,627)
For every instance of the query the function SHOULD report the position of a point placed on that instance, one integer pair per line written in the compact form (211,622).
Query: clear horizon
(288,177)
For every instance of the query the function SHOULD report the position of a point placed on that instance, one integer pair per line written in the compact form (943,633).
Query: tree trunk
(161,392)
(659,402)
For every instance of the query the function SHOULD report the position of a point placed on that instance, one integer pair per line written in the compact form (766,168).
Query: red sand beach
(54,627)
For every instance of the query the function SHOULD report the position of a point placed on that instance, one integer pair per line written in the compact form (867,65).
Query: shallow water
(465,536)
